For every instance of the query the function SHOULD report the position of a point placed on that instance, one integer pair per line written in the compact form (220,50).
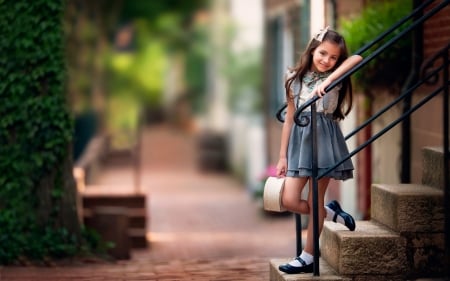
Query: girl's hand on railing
(281,167)
(320,89)
(314,93)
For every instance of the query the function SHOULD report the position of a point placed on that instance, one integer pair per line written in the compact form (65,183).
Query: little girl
(324,60)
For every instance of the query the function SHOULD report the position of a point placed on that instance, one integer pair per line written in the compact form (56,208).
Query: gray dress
(331,145)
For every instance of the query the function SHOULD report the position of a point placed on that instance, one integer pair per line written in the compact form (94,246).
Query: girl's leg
(322,188)
(291,197)
(304,263)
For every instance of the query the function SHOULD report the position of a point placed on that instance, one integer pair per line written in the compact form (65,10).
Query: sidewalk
(200,226)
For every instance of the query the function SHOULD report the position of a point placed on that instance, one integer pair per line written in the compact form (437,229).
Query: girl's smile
(325,56)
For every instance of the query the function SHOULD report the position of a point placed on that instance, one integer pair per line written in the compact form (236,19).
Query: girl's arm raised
(341,70)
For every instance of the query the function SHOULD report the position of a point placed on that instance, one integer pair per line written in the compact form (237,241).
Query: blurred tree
(196,66)
(91,29)
(38,211)
(91,26)
(175,24)
(135,82)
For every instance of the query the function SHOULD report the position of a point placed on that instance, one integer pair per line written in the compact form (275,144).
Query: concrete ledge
(433,167)
(326,273)
(90,160)
(134,206)
(408,207)
(112,225)
(369,250)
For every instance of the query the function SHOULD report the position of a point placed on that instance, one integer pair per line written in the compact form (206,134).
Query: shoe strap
(300,260)
(335,216)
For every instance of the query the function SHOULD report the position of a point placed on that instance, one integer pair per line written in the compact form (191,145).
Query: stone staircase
(403,240)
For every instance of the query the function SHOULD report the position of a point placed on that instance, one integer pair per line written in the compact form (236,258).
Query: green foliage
(35,131)
(135,81)
(197,52)
(391,68)
(139,74)
(244,72)
(171,24)
(151,10)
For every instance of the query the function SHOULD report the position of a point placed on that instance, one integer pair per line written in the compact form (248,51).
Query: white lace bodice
(302,93)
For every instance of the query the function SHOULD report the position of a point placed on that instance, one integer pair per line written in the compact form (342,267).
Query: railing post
(315,189)
(446,115)
(298,233)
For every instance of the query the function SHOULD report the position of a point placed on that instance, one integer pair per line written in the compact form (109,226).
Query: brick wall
(274,4)
(347,8)
(436,31)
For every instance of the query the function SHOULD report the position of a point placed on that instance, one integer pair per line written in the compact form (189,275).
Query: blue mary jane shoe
(349,221)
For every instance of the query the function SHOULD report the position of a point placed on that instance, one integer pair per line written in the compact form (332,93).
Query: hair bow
(319,36)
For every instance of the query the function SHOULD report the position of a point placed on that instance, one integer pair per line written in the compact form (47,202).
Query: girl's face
(325,56)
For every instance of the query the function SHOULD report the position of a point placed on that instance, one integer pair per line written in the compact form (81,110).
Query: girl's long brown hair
(345,99)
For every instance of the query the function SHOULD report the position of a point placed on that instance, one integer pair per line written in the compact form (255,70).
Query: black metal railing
(430,74)
(430,69)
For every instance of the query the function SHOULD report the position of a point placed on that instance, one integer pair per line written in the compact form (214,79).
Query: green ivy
(392,66)
(36,130)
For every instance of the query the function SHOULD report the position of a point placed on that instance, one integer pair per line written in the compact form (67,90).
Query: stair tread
(132,212)
(109,194)
(408,207)
(360,251)
(109,191)
(410,189)
(364,228)
(138,237)
(116,200)
(137,231)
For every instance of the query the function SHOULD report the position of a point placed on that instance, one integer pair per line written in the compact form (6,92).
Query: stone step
(371,249)
(416,212)
(433,167)
(111,223)
(133,204)
(93,197)
(408,207)
(137,235)
(326,273)
(138,238)
(137,217)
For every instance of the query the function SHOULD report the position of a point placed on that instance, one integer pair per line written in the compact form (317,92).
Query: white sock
(308,258)
(330,216)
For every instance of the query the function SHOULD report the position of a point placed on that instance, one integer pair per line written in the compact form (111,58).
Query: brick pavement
(201,226)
